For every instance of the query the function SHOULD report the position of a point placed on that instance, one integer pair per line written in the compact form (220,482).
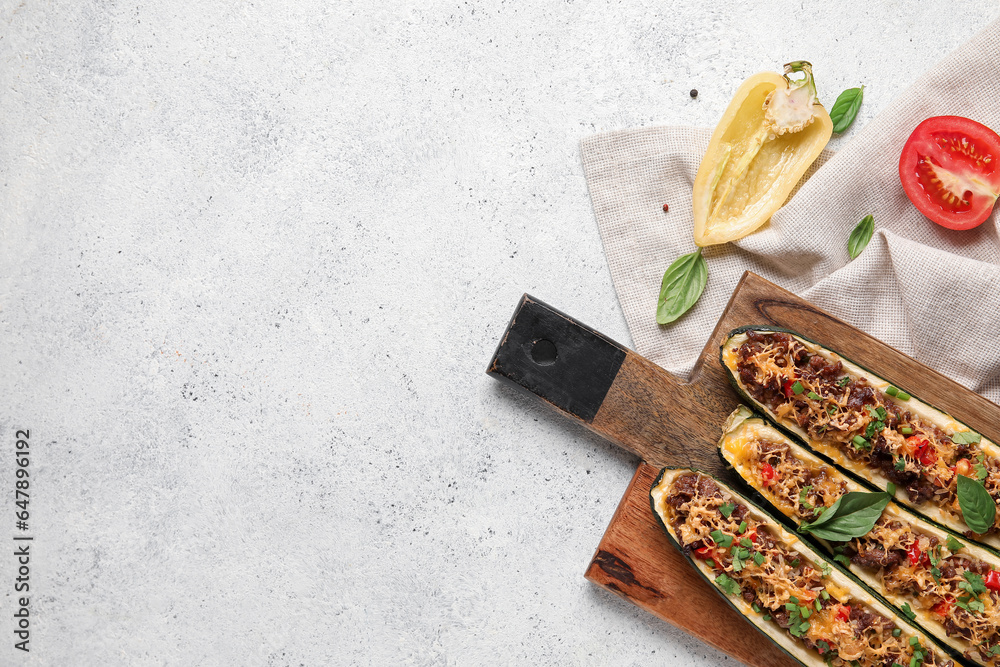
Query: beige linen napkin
(932,293)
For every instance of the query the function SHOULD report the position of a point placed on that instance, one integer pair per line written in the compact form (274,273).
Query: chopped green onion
(913,641)
(891,390)
(819,607)
(767,617)
(906,430)
(755,607)
(797,388)
(743,527)
(814,396)
(859,441)
(896,632)
(902,395)
(824,595)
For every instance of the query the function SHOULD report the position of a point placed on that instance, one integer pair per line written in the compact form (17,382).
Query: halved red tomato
(950,170)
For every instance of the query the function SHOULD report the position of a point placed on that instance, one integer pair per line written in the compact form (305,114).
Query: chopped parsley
(974,587)
(966,438)
(900,464)
(954,545)
(980,468)
(739,559)
(843,560)
(844,381)
(804,497)
(723,540)
(758,558)
(727,509)
(825,567)
(907,612)
(796,617)
(727,584)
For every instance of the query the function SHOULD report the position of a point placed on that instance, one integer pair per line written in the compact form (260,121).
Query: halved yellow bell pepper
(773,129)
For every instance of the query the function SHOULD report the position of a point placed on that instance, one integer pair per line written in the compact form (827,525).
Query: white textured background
(254,260)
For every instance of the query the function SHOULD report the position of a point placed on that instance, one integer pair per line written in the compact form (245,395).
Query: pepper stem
(806,68)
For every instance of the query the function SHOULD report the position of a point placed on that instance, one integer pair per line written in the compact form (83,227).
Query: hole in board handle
(543,352)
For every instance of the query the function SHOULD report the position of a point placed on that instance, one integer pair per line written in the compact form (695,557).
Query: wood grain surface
(669,421)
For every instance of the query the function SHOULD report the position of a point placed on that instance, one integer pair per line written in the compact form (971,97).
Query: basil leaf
(855,516)
(683,282)
(827,514)
(861,235)
(978,508)
(845,109)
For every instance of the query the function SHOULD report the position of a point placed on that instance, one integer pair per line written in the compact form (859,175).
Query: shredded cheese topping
(781,584)
(952,586)
(842,410)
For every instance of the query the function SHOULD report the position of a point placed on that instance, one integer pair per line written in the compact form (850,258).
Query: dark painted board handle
(551,355)
(612,390)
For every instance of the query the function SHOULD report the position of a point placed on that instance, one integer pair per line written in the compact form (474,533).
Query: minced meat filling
(961,591)
(779,583)
(844,411)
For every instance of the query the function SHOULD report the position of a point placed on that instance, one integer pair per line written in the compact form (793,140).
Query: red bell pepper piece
(768,473)
(843,613)
(993,581)
(920,448)
(943,608)
(917,557)
(786,388)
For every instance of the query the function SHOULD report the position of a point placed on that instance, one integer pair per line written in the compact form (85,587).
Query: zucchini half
(736,447)
(838,586)
(869,474)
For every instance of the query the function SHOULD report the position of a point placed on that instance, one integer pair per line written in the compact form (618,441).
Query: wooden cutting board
(667,421)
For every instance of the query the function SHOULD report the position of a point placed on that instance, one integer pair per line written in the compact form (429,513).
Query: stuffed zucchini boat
(811,610)
(952,588)
(869,427)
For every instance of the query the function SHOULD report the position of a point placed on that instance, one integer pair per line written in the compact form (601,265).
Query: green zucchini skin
(809,659)
(990,542)
(742,418)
